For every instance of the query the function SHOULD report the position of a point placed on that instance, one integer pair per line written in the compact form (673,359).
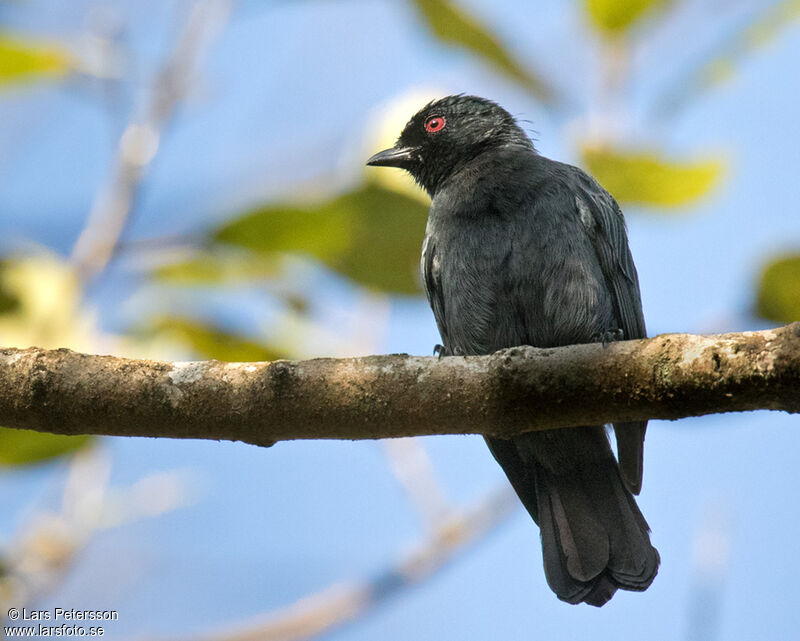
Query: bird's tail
(594,538)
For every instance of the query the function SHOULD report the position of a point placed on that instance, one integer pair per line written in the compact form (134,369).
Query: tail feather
(613,549)
(594,538)
(634,561)
(560,573)
(630,451)
(636,564)
(584,541)
(601,591)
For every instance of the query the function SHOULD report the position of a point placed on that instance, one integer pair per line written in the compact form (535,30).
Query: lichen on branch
(511,391)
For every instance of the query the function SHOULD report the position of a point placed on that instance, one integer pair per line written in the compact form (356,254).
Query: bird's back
(507,261)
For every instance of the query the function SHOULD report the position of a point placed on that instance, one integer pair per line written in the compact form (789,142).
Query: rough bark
(515,390)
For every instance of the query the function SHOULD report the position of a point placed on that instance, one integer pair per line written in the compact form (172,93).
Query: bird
(520,249)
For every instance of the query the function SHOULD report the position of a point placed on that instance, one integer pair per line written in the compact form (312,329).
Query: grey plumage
(523,250)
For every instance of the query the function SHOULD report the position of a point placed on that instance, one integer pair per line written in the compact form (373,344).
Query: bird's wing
(431,274)
(605,225)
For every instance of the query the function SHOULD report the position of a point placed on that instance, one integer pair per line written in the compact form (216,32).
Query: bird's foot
(609,336)
(441,350)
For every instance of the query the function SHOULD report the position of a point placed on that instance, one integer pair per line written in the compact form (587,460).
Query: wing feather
(431,274)
(606,227)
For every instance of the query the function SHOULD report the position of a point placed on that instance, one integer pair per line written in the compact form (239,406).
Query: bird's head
(446,134)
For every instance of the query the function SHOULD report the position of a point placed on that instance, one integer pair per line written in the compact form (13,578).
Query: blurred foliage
(778,297)
(720,66)
(40,305)
(774,19)
(746,41)
(451,24)
(46,309)
(22,61)
(9,301)
(24,447)
(373,235)
(210,341)
(645,178)
(218,266)
(613,17)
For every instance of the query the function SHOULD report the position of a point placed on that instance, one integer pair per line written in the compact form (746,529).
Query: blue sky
(285,92)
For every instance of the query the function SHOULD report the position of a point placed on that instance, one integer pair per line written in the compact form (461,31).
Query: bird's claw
(441,351)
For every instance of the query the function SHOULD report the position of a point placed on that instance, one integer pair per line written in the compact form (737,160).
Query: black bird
(523,250)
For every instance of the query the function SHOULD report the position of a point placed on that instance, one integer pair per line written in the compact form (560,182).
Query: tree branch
(515,390)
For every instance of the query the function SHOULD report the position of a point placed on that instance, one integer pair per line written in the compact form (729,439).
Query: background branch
(515,390)
(139,142)
(321,612)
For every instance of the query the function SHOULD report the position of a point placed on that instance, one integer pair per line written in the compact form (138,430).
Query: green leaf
(22,61)
(779,290)
(451,24)
(645,178)
(373,235)
(613,17)
(25,447)
(219,266)
(9,301)
(210,341)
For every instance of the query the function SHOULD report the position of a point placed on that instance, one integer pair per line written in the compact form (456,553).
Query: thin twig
(720,62)
(413,469)
(320,613)
(140,141)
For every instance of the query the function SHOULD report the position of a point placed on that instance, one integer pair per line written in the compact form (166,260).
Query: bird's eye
(434,124)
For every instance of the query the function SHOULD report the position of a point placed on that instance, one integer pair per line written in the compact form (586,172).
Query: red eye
(434,124)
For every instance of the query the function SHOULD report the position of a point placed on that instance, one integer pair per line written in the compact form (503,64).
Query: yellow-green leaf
(616,16)
(451,24)
(779,290)
(218,266)
(210,341)
(373,235)
(9,300)
(22,61)
(25,447)
(323,231)
(46,305)
(644,177)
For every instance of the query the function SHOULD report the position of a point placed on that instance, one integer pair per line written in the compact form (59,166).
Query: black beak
(395,157)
